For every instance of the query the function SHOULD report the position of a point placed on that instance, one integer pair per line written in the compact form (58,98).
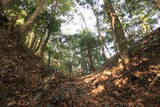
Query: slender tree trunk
(45,44)
(99,33)
(91,66)
(28,40)
(39,44)
(70,68)
(32,18)
(118,31)
(108,50)
(33,41)
(36,43)
(84,21)
(83,64)
(49,58)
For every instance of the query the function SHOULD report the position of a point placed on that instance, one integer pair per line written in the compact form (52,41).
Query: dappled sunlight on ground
(95,77)
(121,82)
(22,76)
(97,90)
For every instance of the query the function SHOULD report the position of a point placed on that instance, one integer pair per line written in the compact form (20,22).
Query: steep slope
(113,87)
(16,65)
(22,75)
(25,82)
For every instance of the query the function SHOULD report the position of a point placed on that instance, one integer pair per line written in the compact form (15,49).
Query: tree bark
(70,68)
(39,44)
(157,3)
(99,33)
(45,44)
(32,18)
(91,66)
(34,41)
(49,58)
(5,3)
(108,50)
(118,31)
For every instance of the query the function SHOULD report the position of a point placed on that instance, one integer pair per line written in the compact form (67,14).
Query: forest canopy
(75,36)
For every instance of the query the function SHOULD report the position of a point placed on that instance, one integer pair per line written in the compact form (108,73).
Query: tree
(49,51)
(5,3)
(88,43)
(98,14)
(31,19)
(53,26)
(158,3)
(118,32)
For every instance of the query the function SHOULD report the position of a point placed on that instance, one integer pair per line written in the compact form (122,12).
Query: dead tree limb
(154,81)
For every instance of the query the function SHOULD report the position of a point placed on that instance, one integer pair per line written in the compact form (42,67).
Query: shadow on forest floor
(21,76)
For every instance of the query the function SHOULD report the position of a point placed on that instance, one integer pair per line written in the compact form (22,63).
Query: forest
(79,53)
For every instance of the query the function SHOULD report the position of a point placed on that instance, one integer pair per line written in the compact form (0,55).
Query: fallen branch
(154,81)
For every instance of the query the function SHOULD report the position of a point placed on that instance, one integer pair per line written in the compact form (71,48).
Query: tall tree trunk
(108,50)
(5,3)
(70,68)
(45,44)
(118,31)
(82,16)
(28,41)
(39,44)
(91,66)
(34,41)
(83,61)
(99,32)
(32,18)
(49,58)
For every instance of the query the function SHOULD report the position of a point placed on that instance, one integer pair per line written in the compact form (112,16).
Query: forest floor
(25,82)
